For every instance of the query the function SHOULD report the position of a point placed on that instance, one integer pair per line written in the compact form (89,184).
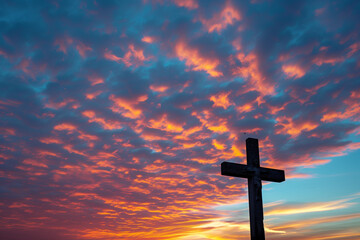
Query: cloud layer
(115,116)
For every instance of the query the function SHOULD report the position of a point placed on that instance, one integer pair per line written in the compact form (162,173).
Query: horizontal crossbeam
(245,171)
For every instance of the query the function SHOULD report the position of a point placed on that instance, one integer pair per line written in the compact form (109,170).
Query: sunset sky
(116,115)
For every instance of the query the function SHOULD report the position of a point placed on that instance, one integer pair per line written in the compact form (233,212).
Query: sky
(116,116)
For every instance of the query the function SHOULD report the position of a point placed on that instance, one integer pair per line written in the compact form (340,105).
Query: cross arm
(235,170)
(245,171)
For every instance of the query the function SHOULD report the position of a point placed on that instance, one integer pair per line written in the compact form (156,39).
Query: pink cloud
(190,4)
(69,127)
(250,70)
(148,39)
(105,123)
(352,111)
(128,108)
(93,95)
(61,104)
(320,60)
(228,16)
(293,71)
(63,43)
(133,56)
(164,124)
(95,80)
(196,61)
(286,125)
(82,49)
(353,49)
(7,131)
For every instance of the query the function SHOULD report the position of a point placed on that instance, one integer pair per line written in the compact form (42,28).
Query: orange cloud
(355,94)
(110,56)
(250,69)
(189,4)
(47,153)
(193,59)
(236,152)
(297,175)
(95,80)
(153,136)
(185,135)
(228,16)
(287,126)
(36,163)
(348,113)
(66,127)
(127,107)
(218,125)
(87,137)
(63,43)
(137,55)
(105,123)
(4,156)
(148,39)
(237,45)
(330,117)
(93,95)
(351,111)
(165,125)
(18,205)
(221,100)
(30,67)
(133,57)
(159,88)
(293,71)
(320,60)
(247,107)
(353,49)
(71,129)
(309,207)
(57,105)
(51,140)
(7,131)
(103,155)
(8,102)
(306,223)
(218,145)
(191,145)
(82,49)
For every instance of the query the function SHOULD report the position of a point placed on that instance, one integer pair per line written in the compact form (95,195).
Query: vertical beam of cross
(254,173)
(254,191)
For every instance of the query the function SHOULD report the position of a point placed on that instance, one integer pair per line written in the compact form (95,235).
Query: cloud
(308,208)
(194,59)
(219,21)
(190,4)
(293,71)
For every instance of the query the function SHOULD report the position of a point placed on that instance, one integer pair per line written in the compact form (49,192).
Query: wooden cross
(254,173)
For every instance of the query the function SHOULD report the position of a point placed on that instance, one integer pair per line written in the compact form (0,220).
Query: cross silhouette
(254,173)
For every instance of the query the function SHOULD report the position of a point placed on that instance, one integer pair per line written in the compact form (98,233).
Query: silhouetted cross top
(254,173)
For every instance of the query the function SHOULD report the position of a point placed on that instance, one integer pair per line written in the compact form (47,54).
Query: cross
(254,173)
